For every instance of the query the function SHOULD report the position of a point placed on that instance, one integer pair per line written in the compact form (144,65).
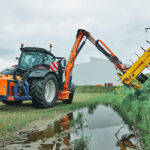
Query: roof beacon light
(22,45)
(50,45)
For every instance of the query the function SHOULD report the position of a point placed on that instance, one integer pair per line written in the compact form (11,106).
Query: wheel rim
(50,90)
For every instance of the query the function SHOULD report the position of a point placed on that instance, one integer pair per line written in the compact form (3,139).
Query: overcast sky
(119,23)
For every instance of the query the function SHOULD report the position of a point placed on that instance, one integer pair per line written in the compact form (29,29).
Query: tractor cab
(33,56)
(38,76)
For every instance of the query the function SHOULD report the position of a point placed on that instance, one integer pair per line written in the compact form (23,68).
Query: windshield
(30,59)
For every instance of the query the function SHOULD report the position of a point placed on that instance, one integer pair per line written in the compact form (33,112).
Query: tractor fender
(42,74)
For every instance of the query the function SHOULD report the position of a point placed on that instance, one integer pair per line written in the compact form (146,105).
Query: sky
(120,24)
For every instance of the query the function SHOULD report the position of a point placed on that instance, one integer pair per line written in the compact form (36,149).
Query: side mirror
(64,62)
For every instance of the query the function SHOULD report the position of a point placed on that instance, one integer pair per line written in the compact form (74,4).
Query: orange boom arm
(64,94)
(72,60)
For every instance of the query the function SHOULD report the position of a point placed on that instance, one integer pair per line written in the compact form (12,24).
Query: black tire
(12,102)
(69,101)
(39,88)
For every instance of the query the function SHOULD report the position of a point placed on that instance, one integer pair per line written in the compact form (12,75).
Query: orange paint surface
(3,83)
(99,85)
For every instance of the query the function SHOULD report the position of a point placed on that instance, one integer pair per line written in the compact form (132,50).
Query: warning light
(22,45)
(50,45)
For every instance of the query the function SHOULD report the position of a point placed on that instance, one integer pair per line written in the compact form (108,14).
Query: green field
(134,108)
(95,89)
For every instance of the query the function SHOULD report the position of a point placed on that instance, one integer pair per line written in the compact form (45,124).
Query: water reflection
(53,130)
(125,141)
(94,126)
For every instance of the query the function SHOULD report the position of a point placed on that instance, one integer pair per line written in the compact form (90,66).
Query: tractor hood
(9,71)
(18,70)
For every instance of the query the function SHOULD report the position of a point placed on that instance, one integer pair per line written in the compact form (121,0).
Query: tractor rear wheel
(69,101)
(44,91)
(12,102)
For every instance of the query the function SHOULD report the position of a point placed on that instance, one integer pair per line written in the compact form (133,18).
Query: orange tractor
(39,74)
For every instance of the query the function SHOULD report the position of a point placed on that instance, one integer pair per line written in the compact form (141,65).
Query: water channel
(100,128)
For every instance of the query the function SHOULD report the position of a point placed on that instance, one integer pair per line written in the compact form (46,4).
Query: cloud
(120,24)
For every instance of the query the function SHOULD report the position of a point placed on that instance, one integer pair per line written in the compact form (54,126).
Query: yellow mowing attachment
(132,76)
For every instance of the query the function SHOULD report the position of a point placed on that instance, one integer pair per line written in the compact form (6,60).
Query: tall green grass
(135,109)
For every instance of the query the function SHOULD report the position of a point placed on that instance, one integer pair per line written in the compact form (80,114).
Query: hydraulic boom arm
(77,48)
(126,75)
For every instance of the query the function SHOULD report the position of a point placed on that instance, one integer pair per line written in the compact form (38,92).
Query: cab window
(30,59)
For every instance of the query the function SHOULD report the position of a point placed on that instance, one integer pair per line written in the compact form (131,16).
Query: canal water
(94,128)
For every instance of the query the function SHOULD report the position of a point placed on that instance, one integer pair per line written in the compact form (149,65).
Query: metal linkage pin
(148,41)
(137,55)
(143,49)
